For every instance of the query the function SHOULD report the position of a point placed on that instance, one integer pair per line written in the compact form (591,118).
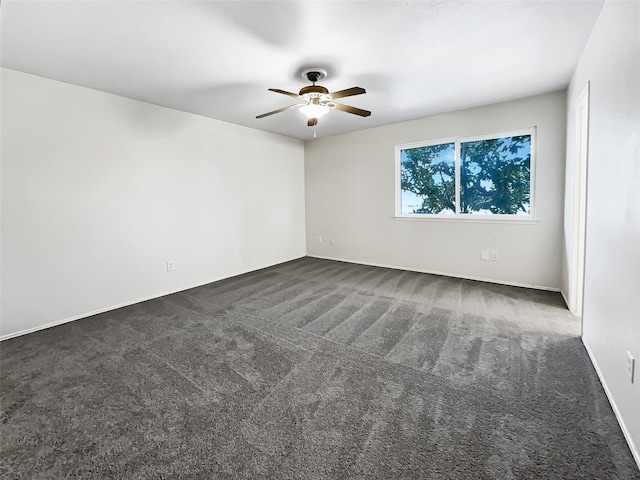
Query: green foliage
(494,176)
(433,180)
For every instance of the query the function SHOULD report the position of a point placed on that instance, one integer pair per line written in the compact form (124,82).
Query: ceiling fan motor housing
(314,89)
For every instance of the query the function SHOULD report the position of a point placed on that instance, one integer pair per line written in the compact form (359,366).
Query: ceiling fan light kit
(314,109)
(317,100)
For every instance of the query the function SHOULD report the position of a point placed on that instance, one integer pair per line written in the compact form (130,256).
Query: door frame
(580,170)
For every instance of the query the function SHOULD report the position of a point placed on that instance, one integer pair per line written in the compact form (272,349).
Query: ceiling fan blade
(348,109)
(347,93)
(279,110)
(284,92)
(311,122)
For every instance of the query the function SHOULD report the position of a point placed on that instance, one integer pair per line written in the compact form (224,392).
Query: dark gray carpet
(313,369)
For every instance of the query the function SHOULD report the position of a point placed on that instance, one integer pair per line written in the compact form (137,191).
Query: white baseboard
(566,300)
(445,274)
(151,297)
(625,431)
(94,312)
(125,304)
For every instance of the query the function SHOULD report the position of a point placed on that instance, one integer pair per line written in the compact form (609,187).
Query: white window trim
(468,217)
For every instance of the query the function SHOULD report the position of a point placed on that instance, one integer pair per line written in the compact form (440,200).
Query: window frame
(467,217)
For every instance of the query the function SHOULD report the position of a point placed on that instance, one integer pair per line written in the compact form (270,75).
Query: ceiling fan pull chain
(314,130)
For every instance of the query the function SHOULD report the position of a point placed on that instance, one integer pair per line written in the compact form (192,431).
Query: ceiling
(217,58)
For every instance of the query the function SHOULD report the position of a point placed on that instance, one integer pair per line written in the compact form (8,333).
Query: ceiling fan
(317,100)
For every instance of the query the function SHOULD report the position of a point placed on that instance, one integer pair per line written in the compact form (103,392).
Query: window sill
(460,219)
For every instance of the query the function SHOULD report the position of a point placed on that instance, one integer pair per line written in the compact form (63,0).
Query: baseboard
(94,312)
(151,297)
(126,304)
(444,274)
(625,431)
(566,300)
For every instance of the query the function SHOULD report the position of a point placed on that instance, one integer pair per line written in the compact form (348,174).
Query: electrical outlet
(170,266)
(319,239)
(494,256)
(631,365)
(484,255)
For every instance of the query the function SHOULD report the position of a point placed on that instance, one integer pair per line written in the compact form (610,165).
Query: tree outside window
(485,176)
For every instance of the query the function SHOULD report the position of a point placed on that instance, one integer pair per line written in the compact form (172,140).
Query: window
(489,176)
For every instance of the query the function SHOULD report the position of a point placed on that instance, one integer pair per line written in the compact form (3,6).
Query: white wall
(611,313)
(350,199)
(99,191)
